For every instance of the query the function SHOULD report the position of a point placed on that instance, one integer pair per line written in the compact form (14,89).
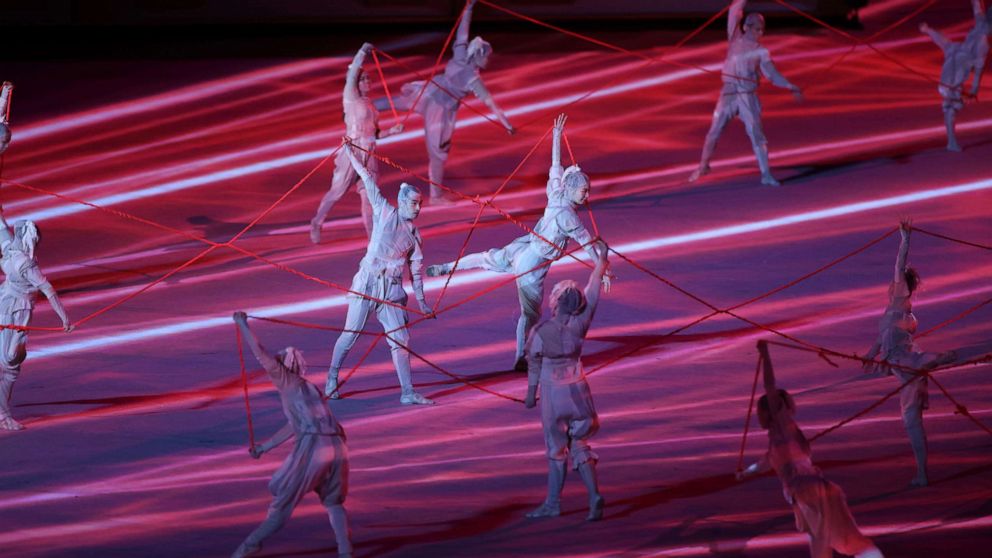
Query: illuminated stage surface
(136,439)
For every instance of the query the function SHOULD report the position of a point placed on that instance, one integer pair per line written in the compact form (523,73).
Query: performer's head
(364,83)
(478,52)
(576,185)
(292,359)
(912,279)
(408,201)
(27,236)
(567,299)
(764,412)
(754,26)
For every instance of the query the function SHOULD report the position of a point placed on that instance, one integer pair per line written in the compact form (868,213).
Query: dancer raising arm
(439,103)
(739,96)
(567,412)
(394,244)
(820,506)
(529,256)
(6,89)
(319,459)
(361,120)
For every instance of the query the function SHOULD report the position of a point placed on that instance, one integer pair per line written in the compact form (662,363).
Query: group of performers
(550,351)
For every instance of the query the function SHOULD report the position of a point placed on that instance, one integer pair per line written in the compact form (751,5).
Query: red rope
(959,408)
(747,418)
(385,86)
(952,239)
(437,64)
(954,319)
(244,383)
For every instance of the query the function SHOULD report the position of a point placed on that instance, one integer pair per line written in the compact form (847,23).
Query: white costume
(529,256)
(5,92)
(394,245)
(361,120)
(567,412)
(820,506)
(439,102)
(22,282)
(960,60)
(319,460)
(739,96)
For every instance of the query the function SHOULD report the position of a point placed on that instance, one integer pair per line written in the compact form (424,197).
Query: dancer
(960,60)
(361,119)
(22,282)
(5,92)
(319,461)
(739,96)
(394,244)
(820,506)
(529,256)
(439,103)
(567,413)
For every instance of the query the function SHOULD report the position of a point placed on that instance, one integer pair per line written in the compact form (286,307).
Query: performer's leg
(358,312)
(343,177)
(584,459)
(913,400)
(394,321)
(950,115)
(556,480)
(13,344)
(339,523)
(721,116)
(277,515)
(530,291)
(750,113)
(468,261)
(439,125)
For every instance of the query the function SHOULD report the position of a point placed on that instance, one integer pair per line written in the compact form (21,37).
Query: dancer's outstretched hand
(240,317)
(560,122)
(255,452)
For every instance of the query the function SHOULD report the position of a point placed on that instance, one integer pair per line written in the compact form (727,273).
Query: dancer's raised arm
(936,36)
(775,402)
(734,17)
(268,362)
(351,91)
(6,233)
(595,282)
(376,199)
(905,228)
(461,36)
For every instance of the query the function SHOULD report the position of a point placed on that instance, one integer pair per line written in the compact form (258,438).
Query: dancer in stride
(394,245)
(361,119)
(820,506)
(319,460)
(22,282)
(739,96)
(567,413)
(960,60)
(439,103)
(530,256)
(5,92)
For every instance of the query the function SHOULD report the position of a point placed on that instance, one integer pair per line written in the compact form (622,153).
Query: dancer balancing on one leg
(960,60)
(739,96)
(394,245)
(567,412)
(529,256)
(319,459)
(22,282)
(361,119)
(902,357)
(820,506)
(438,104)
(6,89)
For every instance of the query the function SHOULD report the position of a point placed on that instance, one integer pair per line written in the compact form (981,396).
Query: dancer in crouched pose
(820,506)
(567,412)
(319,459)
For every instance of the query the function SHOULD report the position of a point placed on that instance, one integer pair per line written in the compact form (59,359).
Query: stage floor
(136,440)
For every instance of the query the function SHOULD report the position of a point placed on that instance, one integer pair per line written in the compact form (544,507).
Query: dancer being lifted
(319,460)
(960,60)
(529,256)
(567,412)
(820,506)
(361,119)
(739,96)
(5,92)
(439,103)
(393,245)
(22,282)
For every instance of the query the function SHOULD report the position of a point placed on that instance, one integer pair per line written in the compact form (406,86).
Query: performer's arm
(759,466)
(6,89)
(416,262)
(6,232)
(267,361)
(534,358)
(775,402)
(284,433)
(480,91)
(976,9)
(461,36)
(936,36)
(905,227)
(29,270)
(595,282)
(376,199)
(769,70)
(734,16)
(351,92)
(978,67)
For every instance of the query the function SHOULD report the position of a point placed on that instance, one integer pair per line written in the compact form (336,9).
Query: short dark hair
(912,279)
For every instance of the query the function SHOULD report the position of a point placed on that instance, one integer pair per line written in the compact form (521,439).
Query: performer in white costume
(5,92)
(739,96)
(319,460)
(22,282)
(394,245)
(566,190)
(820,506)
(567,412)
(361,120)
(439,103)
(960,60)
